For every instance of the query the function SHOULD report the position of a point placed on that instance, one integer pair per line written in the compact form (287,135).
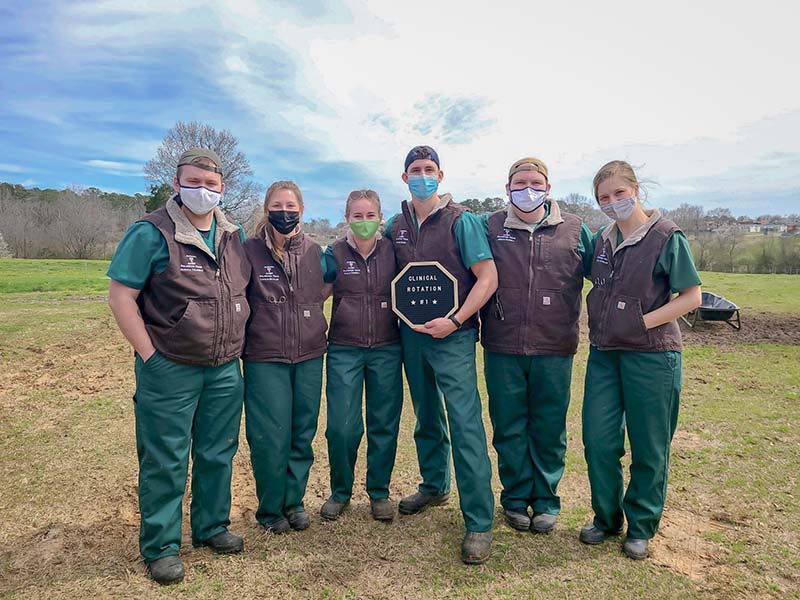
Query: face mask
(284,221)
(422,188)
(528,200)
(364,229)
(199,200)
(619,210)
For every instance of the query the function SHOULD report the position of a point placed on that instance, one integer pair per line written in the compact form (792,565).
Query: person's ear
(222,188)
(176,185)
(441,175)
(508,190)
(404,177)
(547,189)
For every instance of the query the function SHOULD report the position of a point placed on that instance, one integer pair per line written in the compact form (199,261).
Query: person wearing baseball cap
(439,357)
(529,332)
(177,291)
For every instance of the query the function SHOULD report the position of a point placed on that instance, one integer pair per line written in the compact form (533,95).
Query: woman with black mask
(285,341)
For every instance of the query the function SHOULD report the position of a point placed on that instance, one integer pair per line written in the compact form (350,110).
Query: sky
(698,96)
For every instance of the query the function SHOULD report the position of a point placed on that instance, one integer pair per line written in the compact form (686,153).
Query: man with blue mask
(529,331)
(177,291)
(439,357)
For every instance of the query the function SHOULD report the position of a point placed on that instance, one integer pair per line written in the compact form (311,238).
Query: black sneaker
(592,535)
(298,520)
(416,503)
(332,510)
(279,527)
(166,570)
(517,519)
(222,543)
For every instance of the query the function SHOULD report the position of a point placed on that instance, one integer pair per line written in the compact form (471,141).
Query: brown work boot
(476,547)
(332,510)
(166,570)
(382,509)
(543,523)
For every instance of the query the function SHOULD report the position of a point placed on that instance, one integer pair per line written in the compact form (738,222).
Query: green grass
(768,293)
(69,526)
(22,276)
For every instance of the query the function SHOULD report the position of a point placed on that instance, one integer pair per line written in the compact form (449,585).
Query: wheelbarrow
(714,308)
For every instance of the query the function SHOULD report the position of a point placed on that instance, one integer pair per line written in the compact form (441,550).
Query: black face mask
(284,221)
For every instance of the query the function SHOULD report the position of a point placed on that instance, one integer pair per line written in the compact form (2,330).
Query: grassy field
(68,506)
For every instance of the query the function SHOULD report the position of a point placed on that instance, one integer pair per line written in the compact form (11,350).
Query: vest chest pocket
(625,321)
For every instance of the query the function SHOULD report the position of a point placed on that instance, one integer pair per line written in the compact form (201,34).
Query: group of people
(193,296)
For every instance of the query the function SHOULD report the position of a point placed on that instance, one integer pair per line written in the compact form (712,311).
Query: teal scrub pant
(352,373)
(640,391)
(528,402)
(178,407)
(446,367)
(281,404)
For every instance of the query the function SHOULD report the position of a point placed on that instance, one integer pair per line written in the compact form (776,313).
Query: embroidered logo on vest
(506,236)
(603,257)
(351,268)
(191,265)
(402,237)
(269,274)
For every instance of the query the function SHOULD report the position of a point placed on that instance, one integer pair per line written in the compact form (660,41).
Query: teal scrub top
(470,238)
(143,252)
(675,262)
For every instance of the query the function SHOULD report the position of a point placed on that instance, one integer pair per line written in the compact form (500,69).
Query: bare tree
(4,251)
(586,209)
(240,191)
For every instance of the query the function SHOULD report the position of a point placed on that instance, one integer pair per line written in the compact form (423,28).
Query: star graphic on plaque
(413,303)
(435,301)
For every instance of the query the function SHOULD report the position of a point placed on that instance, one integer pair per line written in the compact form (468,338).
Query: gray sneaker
(592,535)
(382,509)
(416,503)
(166,570)
(635,548)
(332,510)
(543,523)
(476,547)
(517,519)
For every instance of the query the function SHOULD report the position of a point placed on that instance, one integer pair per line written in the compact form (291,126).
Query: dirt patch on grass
(681,544)
(757,328)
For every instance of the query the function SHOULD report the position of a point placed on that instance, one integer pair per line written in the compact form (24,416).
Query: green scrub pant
(351,372)
(446,367)
(640,391)
(528,401)
(178,407)
(281,404)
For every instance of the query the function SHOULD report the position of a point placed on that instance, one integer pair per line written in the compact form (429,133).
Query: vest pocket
(551,320)
(312,328)
(240,312)
(626,322)
(265,333)
(504,317)
(194,336)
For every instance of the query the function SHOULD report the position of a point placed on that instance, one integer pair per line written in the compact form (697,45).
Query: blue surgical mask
(620,209)
(529,199)
(422,188)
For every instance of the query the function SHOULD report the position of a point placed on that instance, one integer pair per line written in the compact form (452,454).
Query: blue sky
(332,94)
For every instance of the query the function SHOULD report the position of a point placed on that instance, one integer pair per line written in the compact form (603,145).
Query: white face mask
(619,210)
(528,199)
(200,200)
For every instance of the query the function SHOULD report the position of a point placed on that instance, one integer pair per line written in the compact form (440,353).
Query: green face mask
(365,229)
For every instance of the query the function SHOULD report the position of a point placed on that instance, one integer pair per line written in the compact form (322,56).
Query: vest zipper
(369,304)
(531,272)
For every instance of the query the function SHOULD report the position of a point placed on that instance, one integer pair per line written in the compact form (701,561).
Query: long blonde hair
(616,168)
(263,228)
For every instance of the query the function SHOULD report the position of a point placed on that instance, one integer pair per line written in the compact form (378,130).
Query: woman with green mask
(363,354)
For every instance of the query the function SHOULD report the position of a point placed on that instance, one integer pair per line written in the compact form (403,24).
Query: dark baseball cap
(422,153)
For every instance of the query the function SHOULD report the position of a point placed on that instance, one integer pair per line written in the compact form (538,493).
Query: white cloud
(9,168)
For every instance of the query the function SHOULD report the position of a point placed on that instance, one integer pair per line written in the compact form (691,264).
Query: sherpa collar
(444,200)
(186,233)
(610,233)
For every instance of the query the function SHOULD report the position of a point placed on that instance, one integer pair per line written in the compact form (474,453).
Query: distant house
(749,226)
